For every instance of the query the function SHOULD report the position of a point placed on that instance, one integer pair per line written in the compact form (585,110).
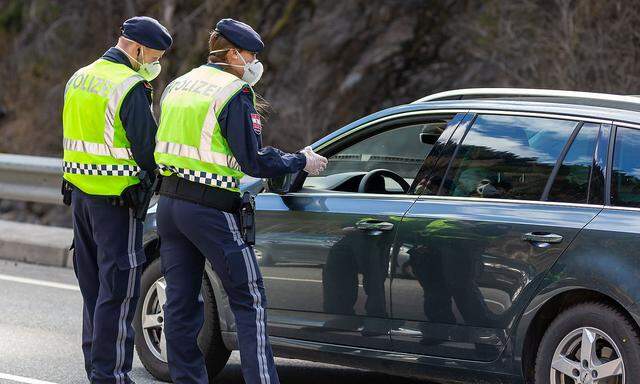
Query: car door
(324,249)
(471,251)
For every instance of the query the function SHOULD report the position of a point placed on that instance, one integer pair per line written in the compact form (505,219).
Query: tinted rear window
(625,176)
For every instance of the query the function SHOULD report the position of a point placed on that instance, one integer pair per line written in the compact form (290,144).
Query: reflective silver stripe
(96,149)
(257,300)
(122,328)
(202,177)
(190,152)
(210,120)
(107,149)
(100,169)
(204,152)
(166,91)
(112,106)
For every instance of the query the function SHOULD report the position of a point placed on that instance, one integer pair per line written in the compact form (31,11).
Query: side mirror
(280,184)
(431,132)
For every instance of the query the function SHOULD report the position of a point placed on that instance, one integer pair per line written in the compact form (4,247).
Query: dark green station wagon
(480,235)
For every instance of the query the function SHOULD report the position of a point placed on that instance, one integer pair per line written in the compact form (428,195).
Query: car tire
(615,337)
(210,341)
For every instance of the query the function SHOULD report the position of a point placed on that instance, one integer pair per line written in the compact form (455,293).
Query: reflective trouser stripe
(257,300)
(124,307)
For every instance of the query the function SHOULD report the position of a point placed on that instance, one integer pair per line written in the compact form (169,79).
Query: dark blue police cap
(240,34)
(148,32)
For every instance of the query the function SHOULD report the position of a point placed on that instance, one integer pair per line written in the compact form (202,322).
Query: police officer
(109,132)
(209,137)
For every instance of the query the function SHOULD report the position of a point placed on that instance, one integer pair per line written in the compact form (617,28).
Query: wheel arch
(542,314)
(227,320)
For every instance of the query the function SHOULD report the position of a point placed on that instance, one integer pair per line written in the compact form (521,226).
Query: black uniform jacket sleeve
(137,117)
(241,126)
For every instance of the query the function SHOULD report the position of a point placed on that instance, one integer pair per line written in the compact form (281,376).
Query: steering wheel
(377,175)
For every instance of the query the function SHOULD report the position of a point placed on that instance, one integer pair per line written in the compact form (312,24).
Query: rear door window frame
(609,163)
(602,160)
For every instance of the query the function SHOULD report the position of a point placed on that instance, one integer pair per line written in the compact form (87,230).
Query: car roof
(587,109)
(575,97)
(573,108)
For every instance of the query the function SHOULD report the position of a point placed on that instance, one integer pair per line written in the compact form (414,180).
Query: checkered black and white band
(202,177)
(100,169)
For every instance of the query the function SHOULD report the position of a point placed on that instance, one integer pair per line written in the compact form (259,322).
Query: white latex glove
(315,162)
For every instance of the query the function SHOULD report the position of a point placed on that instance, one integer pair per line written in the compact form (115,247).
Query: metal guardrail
(38,179)
(30,178)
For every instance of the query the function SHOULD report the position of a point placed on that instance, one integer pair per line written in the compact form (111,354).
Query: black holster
(138,196)
(247,218)
(66,191)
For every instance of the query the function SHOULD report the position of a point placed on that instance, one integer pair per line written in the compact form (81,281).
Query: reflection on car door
(472,253)
(324,254)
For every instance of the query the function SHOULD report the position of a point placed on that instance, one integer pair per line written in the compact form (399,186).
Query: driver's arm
(241,126)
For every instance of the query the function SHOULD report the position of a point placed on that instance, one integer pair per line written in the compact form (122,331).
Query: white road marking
(43,283)
(20,379)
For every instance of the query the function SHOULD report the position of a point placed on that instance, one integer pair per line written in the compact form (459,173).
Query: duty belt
(68,188)
(213,197)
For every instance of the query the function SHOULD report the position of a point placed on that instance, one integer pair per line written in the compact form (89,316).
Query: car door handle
(542,237)
(374,225)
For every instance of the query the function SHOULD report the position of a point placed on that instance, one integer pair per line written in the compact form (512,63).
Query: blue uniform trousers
(108,253)
(191,233)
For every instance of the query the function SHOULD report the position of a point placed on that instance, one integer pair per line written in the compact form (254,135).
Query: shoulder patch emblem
(246,90)
(257,125)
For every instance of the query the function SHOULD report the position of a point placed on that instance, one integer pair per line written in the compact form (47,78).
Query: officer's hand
(315,162)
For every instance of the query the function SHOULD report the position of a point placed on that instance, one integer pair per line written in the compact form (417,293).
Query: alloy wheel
(587,356)
(153,319)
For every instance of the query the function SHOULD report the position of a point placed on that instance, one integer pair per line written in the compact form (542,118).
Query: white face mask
(252,71)
(148,71)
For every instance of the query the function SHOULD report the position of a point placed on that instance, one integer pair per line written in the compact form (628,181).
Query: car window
(625,175)
(571,184)
(507,157)
(399,150)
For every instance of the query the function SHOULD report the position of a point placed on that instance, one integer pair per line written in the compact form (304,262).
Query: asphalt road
(40,323)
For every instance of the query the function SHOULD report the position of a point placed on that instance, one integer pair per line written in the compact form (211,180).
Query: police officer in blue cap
(109,138)
(209,137)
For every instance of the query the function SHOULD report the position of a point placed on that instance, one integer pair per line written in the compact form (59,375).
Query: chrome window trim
(626,125)
(616,208)
(509,201)
(452,198)
(431,197)
(388,196)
